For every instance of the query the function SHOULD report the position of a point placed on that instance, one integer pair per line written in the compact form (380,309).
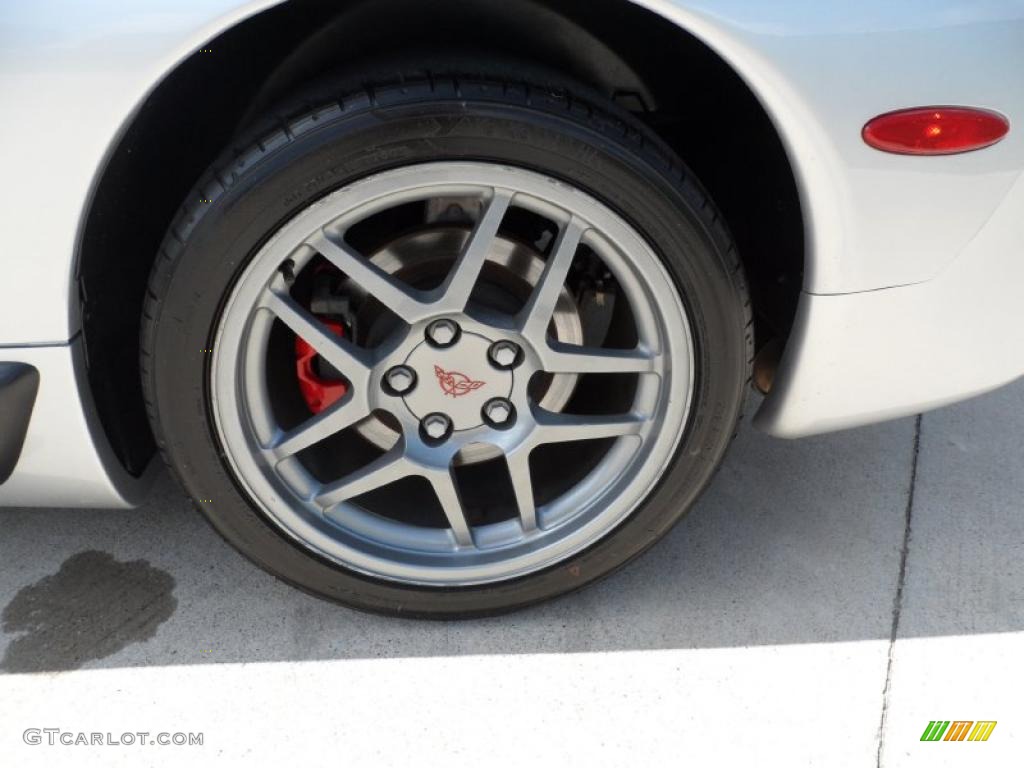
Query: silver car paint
(66,460)
(865,357)
(72,75)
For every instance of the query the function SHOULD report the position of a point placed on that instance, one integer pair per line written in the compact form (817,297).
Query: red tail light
(935,130)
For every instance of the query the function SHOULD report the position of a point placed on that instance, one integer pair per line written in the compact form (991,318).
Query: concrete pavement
(759,632)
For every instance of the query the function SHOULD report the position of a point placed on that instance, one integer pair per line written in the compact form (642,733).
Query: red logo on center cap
(454,383)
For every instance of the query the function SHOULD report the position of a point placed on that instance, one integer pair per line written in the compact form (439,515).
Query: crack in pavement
(897,603)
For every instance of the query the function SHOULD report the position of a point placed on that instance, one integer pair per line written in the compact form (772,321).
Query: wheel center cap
(456,380)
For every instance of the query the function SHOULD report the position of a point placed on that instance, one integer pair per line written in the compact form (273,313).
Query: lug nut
(505,354)
(499,412)
(400,380)
(436,426)
(443,333)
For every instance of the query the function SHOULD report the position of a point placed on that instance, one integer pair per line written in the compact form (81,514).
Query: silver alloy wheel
(321,515)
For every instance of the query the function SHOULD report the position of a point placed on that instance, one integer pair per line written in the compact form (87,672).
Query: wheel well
(668,78)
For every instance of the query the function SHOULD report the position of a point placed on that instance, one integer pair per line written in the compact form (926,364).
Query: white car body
(913,265)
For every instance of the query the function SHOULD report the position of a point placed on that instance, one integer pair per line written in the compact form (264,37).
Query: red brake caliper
(317,391)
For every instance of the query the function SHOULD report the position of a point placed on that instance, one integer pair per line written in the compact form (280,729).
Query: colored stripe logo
(958,730)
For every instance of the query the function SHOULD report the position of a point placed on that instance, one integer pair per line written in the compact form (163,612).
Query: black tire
(579,140)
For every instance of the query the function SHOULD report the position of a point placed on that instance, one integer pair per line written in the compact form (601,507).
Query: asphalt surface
(824,601)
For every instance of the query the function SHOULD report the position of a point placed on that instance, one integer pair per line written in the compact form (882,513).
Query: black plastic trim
(19,383)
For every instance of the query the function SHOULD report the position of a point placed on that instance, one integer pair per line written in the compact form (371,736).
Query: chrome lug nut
(400,380)
(436,426)
(505,354)
(499,413)
(443,333)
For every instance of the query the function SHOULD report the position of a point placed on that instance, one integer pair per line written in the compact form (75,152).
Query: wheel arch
(265,48)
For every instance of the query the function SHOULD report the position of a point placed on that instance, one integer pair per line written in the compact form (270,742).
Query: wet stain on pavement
(90,609)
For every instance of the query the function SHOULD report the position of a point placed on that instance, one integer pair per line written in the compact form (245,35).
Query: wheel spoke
(448,494)
(522,484)
(399,298)
(343,355)
(563,358)
(534,318)
(338,416)
(459,285)
(564,427)
(390,467)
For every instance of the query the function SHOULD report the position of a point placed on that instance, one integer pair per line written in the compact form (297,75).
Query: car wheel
(447,347)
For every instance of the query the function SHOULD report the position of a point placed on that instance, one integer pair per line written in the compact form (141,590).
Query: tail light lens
(935,130)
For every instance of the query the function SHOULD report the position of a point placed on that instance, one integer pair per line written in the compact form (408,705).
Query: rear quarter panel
(72,75)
